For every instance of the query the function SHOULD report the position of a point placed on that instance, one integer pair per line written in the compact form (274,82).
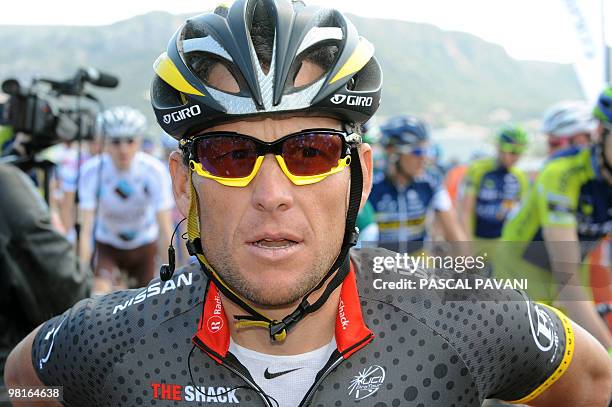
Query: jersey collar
(351,332)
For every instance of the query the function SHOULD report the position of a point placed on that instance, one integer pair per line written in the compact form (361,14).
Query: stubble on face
(262,292)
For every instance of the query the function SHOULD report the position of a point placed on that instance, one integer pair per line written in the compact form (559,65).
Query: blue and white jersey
(128,201)
(401,213)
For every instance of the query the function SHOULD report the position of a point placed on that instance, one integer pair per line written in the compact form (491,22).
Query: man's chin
(275,291)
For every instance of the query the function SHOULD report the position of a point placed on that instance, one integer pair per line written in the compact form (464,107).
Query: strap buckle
(352,237)
(194,246)
(278,329)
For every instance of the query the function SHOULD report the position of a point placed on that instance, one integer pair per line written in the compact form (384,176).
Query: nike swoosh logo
(269,375)
(50,335)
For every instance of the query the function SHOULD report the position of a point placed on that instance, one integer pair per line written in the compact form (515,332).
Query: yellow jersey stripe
(565,362)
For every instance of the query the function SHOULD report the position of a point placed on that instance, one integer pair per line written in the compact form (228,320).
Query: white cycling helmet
(568,118)
(122,122)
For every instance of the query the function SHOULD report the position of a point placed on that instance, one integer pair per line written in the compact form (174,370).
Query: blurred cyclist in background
(408,192)
(492,187)
(66,178)
(127,193)
(568,208)
(568,124)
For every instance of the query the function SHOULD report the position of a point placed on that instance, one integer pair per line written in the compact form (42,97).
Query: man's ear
(365,156)
(180,182)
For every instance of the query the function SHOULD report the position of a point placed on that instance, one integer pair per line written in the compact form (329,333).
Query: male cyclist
(567,125)
(409,192)
(276,319)
(131,195)
(568,208)
(494,186)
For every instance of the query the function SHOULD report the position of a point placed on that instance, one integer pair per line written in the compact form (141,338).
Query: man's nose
(272,190)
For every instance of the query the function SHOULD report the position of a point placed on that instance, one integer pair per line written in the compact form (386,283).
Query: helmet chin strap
(339,270)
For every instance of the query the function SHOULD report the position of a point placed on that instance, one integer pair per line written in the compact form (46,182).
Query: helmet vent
(321,57)
(261,30)
(164,95)
(216,72)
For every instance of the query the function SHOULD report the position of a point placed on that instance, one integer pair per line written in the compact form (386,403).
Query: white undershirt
(289,388)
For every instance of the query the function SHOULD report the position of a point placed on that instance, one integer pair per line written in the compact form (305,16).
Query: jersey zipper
(253,385)
(220,360)
(338,361)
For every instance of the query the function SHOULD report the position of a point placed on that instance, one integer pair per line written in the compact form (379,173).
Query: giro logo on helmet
(182,114)
(352,100)
(337,99)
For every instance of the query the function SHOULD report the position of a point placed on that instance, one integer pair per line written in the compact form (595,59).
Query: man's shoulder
(432,178)
(393,277)
(482,164)
(564,172)
(106,345)
(164,298)
(482,333)
(573,162)
(91,166)
(110,324)
(380,189)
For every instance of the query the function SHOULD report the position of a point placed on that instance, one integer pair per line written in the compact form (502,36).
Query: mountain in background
(446,77)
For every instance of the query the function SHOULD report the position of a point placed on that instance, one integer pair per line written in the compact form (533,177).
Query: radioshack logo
(344,321)
(176,392)
(367,382)
(182,114)
(352,100)
(215,322)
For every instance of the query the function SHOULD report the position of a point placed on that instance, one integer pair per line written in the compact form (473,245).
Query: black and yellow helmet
(263,43)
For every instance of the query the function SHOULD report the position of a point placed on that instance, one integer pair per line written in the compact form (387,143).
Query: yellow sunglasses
(305,157)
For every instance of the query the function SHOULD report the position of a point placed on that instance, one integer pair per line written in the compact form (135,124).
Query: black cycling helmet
(403,130)
(185,101)
(262,44)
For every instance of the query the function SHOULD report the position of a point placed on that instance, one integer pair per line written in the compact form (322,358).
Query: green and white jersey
(568,192)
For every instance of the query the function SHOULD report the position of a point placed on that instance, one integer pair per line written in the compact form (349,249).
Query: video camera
(50,111)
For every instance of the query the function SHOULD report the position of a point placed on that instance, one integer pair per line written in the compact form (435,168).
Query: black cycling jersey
(167,344)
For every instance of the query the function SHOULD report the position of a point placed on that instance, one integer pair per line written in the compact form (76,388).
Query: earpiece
(166,271)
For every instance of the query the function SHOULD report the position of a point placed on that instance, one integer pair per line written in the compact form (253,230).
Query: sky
(528,29)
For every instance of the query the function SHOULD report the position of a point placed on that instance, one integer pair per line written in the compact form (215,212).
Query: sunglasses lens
(226,156)
(312,153)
